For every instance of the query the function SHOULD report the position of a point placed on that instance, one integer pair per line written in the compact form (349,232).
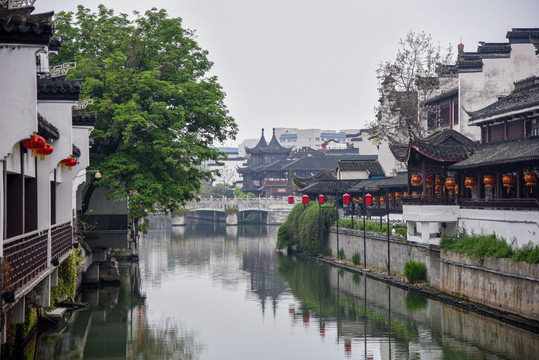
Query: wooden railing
(509,204)
(26,255)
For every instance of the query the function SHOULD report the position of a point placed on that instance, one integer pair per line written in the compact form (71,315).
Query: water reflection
(208,292)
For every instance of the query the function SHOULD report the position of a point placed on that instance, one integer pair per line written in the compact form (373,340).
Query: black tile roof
(46,129)
(469,62)
(398,181)
(522,35)
(445,146)
(319,162)
(259,148)
(502,153)
(59,89)
(21,27)
(329,187)
(443,95)
(75,151)
(82,118)
(372,167)
(302,182)
(494,50)
(525,96)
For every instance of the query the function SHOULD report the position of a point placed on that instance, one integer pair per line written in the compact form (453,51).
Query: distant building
(226,173)
(295,138)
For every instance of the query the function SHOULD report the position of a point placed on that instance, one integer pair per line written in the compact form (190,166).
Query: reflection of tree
(166,340)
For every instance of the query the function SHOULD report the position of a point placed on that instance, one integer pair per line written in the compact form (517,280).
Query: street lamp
(346,201)
(305,200)
(291,199)
(320,203)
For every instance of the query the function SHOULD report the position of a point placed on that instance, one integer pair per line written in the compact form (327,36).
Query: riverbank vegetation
(490,245)
(371,226)
(304,226)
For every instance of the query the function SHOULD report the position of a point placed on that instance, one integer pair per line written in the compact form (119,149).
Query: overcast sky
(312,63)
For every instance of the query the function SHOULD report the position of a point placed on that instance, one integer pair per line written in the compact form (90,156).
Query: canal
(210,292)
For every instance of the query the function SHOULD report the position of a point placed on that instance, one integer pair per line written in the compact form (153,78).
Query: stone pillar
(232,219)
(178,220)
(91,276)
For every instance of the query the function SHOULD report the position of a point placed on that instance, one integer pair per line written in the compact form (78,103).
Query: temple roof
(522,35)
(275,147)
(319,161)
(260,147)
(469,62)
(444,146)
(501,153)
(19,26)
(59,89)
(494,50)
(525,97)
(46,129)
(322,175)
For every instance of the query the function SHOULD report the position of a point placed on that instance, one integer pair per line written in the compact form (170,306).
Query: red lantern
(531,180)
(450,183)
(428,182)
(290,199)
(416,180)
(65,161)
(72,163)
(44,151)
(321,199)
(489,181)
(382,200)
(406,193)
(438,189)
(456,189)
(305,199)
(470,183)
(391,196)
(509,180)
(375,200)
(397,195)
(368,200)
(34,143)
(360,199)
(346,199)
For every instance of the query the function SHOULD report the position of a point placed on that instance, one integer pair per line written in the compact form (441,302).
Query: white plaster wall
(1,209)
(18,111)
(522,226)
(346,175)
(481,89)
(81,138)
(430,213)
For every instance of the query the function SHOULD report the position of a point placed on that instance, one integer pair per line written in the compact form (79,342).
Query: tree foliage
(158,111)
(404,84)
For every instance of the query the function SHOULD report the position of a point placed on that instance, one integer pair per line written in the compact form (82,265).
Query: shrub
(341,254)
(355,258)
(477,245)
(284,239)
(415,271)
(528,253)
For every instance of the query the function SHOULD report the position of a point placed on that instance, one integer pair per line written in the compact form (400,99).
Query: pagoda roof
(322,175)
(260,147)
(524,98)
(444,146)
(274,147)
(502,153)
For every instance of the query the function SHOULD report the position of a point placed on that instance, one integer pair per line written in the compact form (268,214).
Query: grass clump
(528,253)
(355,258)
(478,246)
(341,254)
(415,271)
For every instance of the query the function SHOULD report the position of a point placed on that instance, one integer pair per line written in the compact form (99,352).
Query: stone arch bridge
(271,211)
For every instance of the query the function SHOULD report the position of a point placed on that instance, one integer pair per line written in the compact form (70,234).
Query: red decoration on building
(391,196)
(44,151)
(489,181)
(450,183)
(428,182)
(368,200)
(398,195)
(470,183)
(531,180)
(34,143)
(509,181)
(346,199)
(382,200)
(416,180)
(438,189)
(375,200)
(405,193)
(439,182)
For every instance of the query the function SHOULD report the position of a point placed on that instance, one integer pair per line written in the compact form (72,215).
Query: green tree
(157,109)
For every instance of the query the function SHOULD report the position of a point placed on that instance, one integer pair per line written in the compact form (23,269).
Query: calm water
(210,292)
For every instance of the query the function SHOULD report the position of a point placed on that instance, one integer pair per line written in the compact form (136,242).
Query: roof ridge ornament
(81,105)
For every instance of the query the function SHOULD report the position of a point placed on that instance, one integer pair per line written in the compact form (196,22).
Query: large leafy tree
(158,111)
(405,83)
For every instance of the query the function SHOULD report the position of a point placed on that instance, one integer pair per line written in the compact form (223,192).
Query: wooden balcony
(506,204)
(26,255)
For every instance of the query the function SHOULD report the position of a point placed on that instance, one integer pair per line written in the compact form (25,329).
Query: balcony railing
(510,204)
(26,255)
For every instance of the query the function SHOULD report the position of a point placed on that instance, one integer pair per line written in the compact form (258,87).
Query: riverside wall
(498,283)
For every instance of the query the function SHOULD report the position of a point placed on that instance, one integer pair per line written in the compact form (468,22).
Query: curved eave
(430,156)
(480,121)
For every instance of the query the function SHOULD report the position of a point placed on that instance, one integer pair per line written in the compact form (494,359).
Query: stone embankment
(499,288)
